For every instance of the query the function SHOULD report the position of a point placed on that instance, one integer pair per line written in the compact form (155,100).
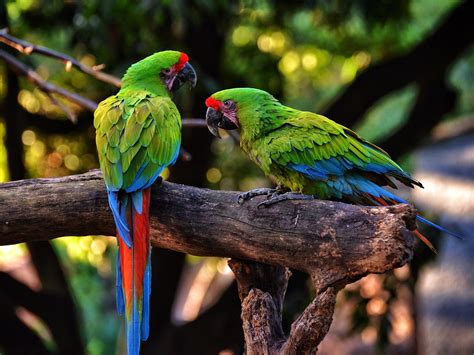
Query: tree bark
(333,242)
(327,237)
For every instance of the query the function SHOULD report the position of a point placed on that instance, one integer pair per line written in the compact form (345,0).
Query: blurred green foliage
(304,53)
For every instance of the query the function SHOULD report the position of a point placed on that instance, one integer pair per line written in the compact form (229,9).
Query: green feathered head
(166,69)
(238,108)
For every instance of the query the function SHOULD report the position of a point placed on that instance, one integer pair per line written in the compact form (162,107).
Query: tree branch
(262,291)
(194,122)
(335,239)
(50,89)
(435,99)
(47,87)
(28,48)
(334,242)
(312,325)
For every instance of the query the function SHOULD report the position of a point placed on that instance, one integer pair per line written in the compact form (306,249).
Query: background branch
(422,63)
(28,48)
(32,76)
(49,89)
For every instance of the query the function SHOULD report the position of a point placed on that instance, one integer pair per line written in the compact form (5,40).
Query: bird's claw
(279,197)
(245,196)
(265,203)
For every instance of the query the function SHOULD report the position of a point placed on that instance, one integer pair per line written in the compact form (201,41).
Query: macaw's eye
(228,103)
(166,71)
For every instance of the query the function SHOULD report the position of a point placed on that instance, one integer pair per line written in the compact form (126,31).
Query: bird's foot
(275,198)
(245,196)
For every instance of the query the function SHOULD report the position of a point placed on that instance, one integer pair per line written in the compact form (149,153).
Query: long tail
(384,202)
(384,197)
(133,282)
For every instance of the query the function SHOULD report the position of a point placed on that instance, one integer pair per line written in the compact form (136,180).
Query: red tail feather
(425,241)
(133,265)
(416,231)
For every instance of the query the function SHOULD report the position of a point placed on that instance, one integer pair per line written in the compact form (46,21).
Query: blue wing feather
(346,182)
(119,289)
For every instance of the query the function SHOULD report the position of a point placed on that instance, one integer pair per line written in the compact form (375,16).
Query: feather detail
(425,240)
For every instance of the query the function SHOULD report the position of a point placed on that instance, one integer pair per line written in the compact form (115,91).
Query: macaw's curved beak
(215,120)
(187,74)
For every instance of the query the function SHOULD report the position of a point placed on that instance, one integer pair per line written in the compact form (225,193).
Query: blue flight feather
(428,222)
(146,299)
(137,199)
(141,182)
(381,192)
(118,207)
(119,289)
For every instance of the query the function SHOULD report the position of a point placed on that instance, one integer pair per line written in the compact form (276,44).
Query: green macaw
(138,134)
(307,153)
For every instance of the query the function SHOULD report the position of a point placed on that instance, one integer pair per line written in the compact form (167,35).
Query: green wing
(137,136)
(323,150)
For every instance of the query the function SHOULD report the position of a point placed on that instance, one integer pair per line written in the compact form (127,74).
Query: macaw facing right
(307,153)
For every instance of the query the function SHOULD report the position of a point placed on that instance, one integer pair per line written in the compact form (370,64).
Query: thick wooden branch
(312,325)
(262,291)
(336,240)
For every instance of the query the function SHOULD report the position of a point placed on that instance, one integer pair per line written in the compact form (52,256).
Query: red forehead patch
(215,104)
(183,59)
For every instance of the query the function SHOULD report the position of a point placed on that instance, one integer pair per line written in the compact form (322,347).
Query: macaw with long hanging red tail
(306,153)
(138,134)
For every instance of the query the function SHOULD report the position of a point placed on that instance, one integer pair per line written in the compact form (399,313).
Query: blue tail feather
(118,208)
(428,222)
(132,325)
(133,333)
(146,299)
(137,322)
(377,191)
(385,193)
(119,289)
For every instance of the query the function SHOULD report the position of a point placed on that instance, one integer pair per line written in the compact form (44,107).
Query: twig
(71,115)
(200,122)
(32,76)
(193,122)
(50,89)
(28,48)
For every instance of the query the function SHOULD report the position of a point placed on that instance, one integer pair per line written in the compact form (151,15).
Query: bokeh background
(401,73)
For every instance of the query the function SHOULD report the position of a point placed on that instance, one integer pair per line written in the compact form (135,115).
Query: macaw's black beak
(187,74)
(215,120)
